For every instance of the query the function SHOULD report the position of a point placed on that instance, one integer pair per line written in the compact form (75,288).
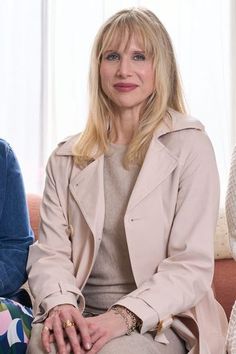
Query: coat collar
(175,121)
(159,162)
(172,122)
(87,185)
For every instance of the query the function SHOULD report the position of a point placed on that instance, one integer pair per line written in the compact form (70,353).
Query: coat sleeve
(50,268)
(15,232)
(185,275)
(231,204)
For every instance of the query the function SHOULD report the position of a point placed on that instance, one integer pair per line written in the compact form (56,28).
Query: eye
(112,56)
(139,57)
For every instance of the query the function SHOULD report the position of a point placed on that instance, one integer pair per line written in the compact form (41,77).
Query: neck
(124,127)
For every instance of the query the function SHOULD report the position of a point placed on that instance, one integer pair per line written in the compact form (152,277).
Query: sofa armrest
(224,283)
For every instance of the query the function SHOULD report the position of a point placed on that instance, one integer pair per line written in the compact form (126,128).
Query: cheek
(105,71)
(150,78)
(101,73)
(104,76)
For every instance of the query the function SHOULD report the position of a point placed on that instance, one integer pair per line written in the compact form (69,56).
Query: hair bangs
(120,32)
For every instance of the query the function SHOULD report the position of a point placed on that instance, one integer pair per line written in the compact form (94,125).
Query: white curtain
(20,67)
(203,34)
(233,68)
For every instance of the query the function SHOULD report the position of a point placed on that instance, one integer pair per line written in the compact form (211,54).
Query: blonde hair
(149,31)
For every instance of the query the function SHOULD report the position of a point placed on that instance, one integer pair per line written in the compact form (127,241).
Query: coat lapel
(157,165)
(87,185)
(87,188)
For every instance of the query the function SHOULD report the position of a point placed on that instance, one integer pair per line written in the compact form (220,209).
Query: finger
(59,335)
(96,336)
(82,326)
(51,338)
(98,345)
(73,338)
(45,336)
(83,351)
(68,348)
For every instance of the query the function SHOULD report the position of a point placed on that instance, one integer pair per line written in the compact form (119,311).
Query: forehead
(126,45)
(123,39)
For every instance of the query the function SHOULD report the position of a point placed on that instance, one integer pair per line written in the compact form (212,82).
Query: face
(127,75)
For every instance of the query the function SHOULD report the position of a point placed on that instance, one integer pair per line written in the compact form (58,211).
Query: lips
(125,87)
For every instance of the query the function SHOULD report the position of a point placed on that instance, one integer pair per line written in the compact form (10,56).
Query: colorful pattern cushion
(15,327)
(221,241)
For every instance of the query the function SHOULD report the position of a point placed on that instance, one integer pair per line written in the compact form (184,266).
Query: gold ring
(46,328)
(68,323)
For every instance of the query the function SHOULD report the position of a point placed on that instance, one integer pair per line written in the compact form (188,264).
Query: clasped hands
(73,333)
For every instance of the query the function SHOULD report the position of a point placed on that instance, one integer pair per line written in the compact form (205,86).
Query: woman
(15,238)
(129,212)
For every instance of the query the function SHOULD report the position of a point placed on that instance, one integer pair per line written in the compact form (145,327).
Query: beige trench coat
(170,222)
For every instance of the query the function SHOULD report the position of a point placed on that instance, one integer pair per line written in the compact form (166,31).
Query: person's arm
(50,267)
(15,232)
(185,276)
(230,205)
(51,271)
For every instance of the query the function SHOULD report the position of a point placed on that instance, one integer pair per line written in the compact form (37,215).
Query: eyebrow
(139,51)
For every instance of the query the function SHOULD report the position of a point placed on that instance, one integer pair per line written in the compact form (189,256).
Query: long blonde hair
(147,28)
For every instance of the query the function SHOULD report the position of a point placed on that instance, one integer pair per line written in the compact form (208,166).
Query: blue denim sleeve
(15,232)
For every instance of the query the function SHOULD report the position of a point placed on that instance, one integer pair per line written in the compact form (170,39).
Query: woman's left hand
(103,328)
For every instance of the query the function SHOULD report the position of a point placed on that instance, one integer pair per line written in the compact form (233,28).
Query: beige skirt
(136,343)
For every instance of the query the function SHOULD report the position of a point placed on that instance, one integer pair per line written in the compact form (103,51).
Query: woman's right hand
(76,331)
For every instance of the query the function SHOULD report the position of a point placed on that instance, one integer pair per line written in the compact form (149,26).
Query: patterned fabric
(231,220)
(15,327)
(231,204)
(221,240)
(231,335)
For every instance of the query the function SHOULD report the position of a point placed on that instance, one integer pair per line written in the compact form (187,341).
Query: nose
(124,68)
